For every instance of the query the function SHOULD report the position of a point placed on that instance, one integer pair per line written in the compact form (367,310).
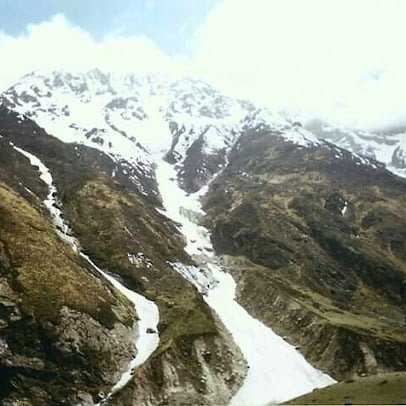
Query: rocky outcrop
(399,158)
(200,166)
(200,370)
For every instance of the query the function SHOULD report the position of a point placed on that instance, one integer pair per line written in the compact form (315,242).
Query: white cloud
(57,44)
(340,58)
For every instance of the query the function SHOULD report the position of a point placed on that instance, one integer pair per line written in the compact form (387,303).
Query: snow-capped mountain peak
(136,118)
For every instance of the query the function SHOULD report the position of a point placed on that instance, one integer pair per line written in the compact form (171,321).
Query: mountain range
(163,243)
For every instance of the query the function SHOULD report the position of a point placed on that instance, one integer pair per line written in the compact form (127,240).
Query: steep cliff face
(120,228)
(317,249)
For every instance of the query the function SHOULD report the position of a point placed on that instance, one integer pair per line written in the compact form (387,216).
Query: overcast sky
(343,59)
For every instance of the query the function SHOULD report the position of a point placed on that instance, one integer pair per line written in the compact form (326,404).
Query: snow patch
(344,209)
(51,202)
(139,259)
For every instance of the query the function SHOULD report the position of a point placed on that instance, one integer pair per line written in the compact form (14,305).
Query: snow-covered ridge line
(386,147)
(278,372)
(135,117)
(147,311)
(121,114)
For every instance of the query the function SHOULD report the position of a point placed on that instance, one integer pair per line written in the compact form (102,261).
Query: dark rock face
(201,162)
(199,166)
(399,158)
(324,237)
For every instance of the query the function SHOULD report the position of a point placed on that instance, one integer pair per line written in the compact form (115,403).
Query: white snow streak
(278,372)
(50,202)
(146,343)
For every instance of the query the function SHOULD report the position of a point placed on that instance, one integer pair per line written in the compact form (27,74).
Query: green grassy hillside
(384,389)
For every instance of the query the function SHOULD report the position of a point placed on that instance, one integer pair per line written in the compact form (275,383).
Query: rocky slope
(121,230)
(64,333)
(317,248)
